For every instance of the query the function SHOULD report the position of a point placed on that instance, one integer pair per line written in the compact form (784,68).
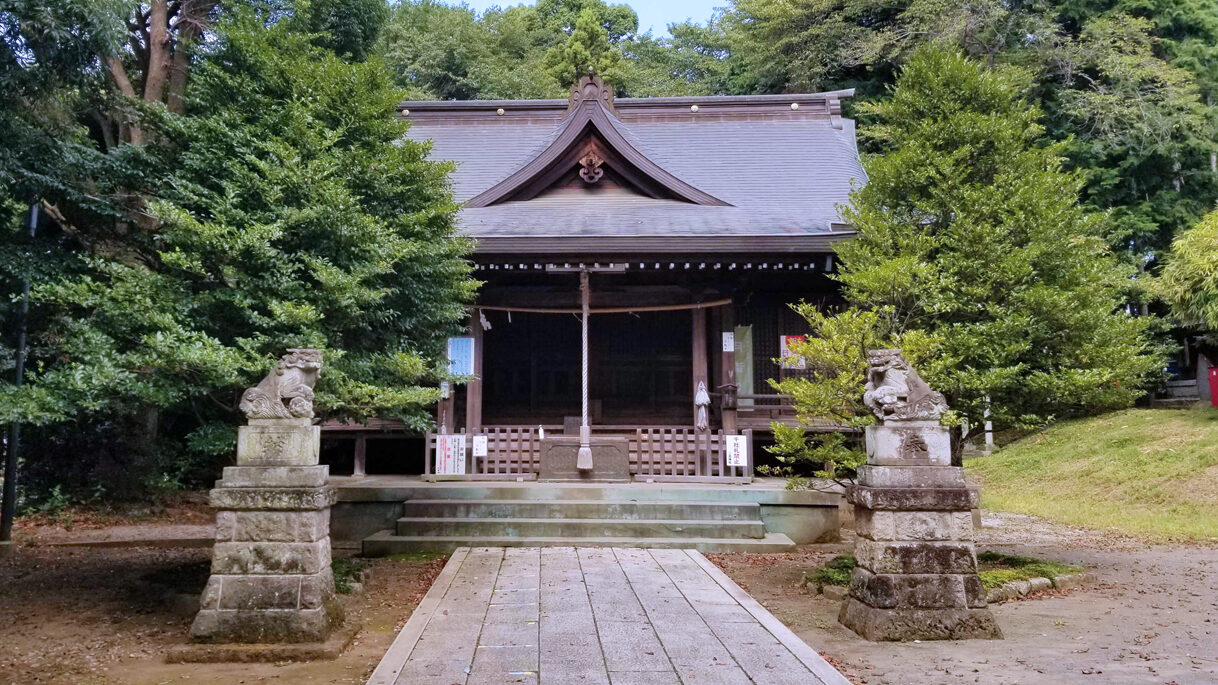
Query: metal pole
(8,511)
(583,460)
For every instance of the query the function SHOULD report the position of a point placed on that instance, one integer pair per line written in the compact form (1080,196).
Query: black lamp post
(8,511)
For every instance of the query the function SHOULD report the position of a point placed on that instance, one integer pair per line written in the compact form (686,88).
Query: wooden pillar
(473,390)
(699,354)
(360,453)
(727,366)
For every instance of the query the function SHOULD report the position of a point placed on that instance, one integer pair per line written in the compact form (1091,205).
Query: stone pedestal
(915,575)
(271,579)
(610,460)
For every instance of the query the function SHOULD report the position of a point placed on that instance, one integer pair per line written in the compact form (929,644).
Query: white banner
(450,454)
(737,450)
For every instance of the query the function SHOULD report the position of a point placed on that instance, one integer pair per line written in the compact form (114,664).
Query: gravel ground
(1150,617)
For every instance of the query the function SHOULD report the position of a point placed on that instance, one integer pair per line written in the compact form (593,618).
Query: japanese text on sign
(790,360)
(450,455)
(737,450)
(461,356)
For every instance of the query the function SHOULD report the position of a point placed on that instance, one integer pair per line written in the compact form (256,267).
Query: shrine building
(698,220)
(639,257)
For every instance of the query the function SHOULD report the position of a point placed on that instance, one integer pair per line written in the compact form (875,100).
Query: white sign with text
(737,450)
(479,445)
(450,455)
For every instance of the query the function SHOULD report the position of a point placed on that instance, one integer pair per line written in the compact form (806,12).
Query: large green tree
(452,53)
(447,52)
(971,233)
(268,208)
(1130,84)
(1190,280)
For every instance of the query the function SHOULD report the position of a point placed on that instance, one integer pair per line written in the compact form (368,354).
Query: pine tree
(972,233)
(586,51)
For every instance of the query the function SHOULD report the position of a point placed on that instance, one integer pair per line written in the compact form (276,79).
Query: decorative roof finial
(591,87)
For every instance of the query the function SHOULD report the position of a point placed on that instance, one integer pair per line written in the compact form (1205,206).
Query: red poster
(790,360)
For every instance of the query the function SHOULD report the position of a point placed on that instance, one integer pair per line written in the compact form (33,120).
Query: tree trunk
(158,51)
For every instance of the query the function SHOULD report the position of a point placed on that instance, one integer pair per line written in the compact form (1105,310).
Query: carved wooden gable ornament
(590,142)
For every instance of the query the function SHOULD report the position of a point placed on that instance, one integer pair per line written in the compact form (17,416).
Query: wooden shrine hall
(683,227)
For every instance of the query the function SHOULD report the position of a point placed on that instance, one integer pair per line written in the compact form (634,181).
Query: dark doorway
(640,368)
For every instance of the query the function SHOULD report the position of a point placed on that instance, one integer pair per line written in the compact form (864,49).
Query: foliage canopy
(271,210)
(973,253)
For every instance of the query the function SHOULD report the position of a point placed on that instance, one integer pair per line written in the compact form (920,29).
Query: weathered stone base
(915,575)
(267,625)
(272,653)
(271,579)
(897,625)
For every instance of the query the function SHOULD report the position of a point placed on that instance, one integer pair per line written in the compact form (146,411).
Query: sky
(656,15)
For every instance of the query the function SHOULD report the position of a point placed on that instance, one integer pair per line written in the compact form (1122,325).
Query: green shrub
(346,571)
(999,569)
(836,572)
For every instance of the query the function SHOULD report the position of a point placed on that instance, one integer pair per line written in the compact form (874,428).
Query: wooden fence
(657,453)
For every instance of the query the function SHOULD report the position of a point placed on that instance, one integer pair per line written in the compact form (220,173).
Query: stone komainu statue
(287,391)
(894,389)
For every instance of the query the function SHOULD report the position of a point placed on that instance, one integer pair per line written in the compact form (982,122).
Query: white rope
(607,310)
(584,298)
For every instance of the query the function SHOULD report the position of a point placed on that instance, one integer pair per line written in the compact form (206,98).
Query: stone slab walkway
(562,615)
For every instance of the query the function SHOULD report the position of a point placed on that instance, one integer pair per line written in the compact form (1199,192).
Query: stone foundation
(896,625)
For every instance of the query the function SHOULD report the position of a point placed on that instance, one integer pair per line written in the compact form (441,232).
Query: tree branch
(114,64)
(190,25)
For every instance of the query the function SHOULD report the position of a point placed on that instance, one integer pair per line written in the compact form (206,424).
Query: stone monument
(271,579)
(915,575)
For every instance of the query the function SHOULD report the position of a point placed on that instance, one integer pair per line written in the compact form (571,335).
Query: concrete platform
(392,514)
(565,615)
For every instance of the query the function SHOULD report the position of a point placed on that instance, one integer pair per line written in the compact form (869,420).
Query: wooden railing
(685,454)
(657,453)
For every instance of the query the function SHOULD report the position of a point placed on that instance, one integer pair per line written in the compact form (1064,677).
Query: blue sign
(461,356)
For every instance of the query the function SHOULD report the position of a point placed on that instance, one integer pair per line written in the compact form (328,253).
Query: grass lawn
(1146,472)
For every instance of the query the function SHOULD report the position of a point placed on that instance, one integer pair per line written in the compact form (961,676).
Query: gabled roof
(723,173)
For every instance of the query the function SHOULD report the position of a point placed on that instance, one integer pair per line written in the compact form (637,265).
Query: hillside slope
(1147,472)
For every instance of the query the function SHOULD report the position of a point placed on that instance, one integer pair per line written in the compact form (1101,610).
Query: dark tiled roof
(783,174)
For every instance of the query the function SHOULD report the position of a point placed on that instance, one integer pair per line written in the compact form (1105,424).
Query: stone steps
(442,518)
(581,509)
(578,528)
(385,543)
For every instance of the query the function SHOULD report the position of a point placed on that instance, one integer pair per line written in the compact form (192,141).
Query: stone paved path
(562,615)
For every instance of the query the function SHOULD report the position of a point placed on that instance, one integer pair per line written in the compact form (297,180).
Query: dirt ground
(1150,617)
(101,615)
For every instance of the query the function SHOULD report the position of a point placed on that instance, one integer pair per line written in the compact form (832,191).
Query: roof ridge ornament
(591,87)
